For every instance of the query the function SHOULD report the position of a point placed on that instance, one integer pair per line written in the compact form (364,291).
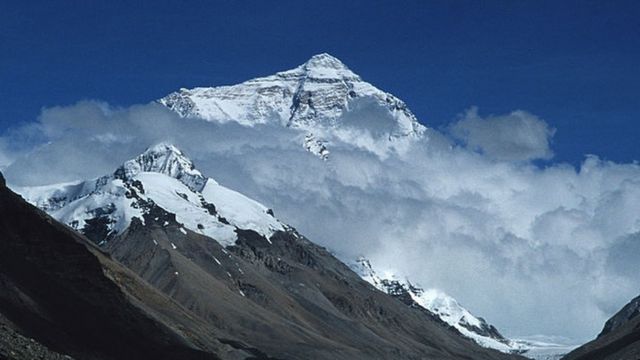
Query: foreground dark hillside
(282,298)
(57,292)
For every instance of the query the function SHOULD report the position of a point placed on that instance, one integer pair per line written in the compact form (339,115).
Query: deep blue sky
(575,64)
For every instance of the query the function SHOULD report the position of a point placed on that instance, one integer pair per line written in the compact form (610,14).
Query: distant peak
(164,148)
(163,158)
(325,60)
(326,66)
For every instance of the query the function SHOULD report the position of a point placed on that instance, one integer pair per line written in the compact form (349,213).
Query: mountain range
(322,100)
(327,102)
(163,186)
(190,255)
(204,271)
(261,291)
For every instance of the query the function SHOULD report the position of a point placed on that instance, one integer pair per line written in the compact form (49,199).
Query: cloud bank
(534,251)
(518,136)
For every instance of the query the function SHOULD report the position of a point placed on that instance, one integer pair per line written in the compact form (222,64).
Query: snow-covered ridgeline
(442,305)
(162,176)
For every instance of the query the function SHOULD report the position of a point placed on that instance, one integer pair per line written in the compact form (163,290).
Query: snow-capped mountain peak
(164,158)
(325,60)
(322,97)
(161,186)
(325,66)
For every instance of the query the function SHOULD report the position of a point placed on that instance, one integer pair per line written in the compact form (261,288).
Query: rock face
(619,340)
(322,98)
(263,289)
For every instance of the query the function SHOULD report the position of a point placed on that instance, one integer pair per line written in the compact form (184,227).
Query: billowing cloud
(90,138)
(518,136)
(535,251)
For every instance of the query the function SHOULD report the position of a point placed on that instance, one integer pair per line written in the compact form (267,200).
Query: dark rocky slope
(56,294)
(619,340)
(626,314)
(285,296)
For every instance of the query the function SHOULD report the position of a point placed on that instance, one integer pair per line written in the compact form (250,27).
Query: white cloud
(516,136)
(532,250)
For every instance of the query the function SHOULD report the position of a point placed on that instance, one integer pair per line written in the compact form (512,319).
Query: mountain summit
(325,66)
(322,98)
(158,182)
(164,158)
